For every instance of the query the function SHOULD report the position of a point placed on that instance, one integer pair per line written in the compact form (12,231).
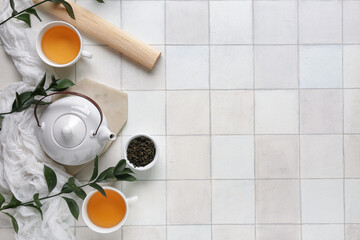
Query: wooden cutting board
(114,104)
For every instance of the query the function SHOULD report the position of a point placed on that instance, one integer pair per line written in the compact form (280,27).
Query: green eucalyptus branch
(118,173)
(24,15)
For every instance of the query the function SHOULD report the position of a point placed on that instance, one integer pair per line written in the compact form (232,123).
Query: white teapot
(73,130)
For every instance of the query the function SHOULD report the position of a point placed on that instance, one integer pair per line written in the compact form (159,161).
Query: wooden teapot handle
(71,93)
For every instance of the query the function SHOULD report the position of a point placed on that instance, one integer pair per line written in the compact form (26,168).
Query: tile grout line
(299,117)
(166,134)
(254,115)
(121,87)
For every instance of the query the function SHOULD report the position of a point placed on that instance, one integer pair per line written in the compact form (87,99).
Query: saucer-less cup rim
(48,61)
(150,165)
(96,228)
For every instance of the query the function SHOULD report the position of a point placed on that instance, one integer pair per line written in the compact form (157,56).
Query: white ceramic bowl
(150,165)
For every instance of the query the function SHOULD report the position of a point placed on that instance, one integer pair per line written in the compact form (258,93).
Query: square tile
(278,232)
(351,21)
(104,67)
(143,211)
(322,201)
(144,20)
(277,201)
(68,72)
(275,22)
(351,110)
(352,231)
(185,117)
(352,198)
(184,15)
(352,156)
(146,113)
(233,202)
(351,55)
(189,232)
(321,111)
(321,66)
(9,73)
(276,67)
(231,67)
(276,111)
(232,157)
(321,156)
(85,233)
(231,22)
(187,67)
(135,77)
(233,232)
(323,232)
(188,157)
(188,202)
(320,22)
(110,11)
(158,171)
(277,156)
(144,232)
(232,112)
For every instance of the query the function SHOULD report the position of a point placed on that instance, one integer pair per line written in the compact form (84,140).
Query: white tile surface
(352,231)
(351,111)
(144,20)
(277,156)
(180,112)
(231,22)
(321,66)
(322,201)
(323,232)
(278,232)
(275,22)
(320,22)
(276,112)
(277,201)
(352,197)
(233,201)
(351,156)
(188,232)
(183,207)
(146,113)
(88,234)
(276,67)
(321,111)
(351,55)
(144,232)
(231,67)
(187,22)
(321,156)
(351,21)
(188,157)
(187,67)
(232,157)
(232,112)
(233,232)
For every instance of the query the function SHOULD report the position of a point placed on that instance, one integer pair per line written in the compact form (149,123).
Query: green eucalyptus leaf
(50,178)
(12,4)
(25,17)
(66,188)
(69,9)
(61,85)
(78,191)
(73,206)
(39,90)
(37,200)
(127,170)
(2,199)
(106,174)
(125,177)
(120,167)
(22,101)
(100,1)
(99,188)
(96,169)
(13,203)
(33,12)
(14,222)
(14,13)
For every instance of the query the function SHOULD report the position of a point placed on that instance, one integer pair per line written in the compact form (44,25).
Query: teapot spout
(106,135)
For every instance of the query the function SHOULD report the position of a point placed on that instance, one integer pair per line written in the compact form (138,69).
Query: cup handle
(132,199)
(86,54)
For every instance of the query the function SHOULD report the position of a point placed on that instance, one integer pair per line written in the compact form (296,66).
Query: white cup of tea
(106,214)
(59,44)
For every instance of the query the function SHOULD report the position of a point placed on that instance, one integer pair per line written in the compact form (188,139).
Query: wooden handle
(106,33)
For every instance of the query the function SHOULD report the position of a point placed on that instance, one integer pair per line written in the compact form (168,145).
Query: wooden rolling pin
(106,33)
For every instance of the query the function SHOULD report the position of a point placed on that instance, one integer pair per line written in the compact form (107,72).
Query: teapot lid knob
(69,130)
(66,132)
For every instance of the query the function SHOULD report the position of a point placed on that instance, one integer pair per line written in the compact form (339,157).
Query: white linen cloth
(21,156)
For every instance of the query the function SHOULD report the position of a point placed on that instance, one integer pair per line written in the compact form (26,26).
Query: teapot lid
(69,130)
